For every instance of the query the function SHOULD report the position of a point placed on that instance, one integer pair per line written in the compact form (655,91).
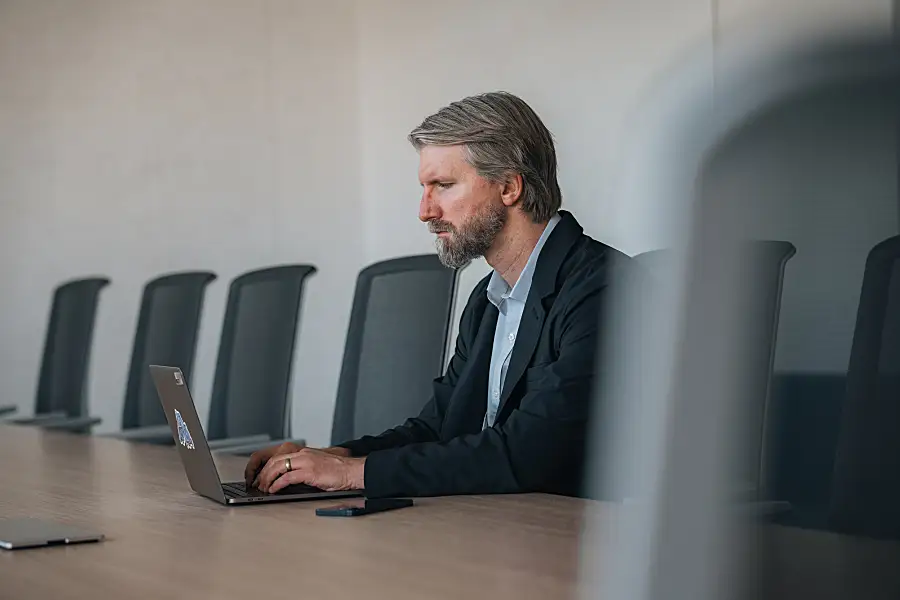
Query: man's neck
(515,243)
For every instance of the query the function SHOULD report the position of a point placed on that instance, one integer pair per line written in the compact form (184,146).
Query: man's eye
(444,184)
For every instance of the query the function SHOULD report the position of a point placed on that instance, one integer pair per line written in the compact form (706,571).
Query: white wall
(141,137)
(144,137)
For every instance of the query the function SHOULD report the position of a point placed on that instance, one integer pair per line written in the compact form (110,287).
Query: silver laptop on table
(195,454)
(31,533)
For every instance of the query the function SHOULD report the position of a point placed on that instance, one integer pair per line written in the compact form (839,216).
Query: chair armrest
(238,441)
(74,424)
(38,419)
(743,492)
(8,409)
(155,434)
(248,449)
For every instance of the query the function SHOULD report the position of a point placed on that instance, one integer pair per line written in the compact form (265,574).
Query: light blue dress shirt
(511,304)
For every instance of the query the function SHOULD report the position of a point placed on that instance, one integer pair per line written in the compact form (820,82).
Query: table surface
(164,541)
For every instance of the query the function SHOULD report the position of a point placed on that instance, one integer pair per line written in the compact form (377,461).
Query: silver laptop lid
(28,533)
(187,431)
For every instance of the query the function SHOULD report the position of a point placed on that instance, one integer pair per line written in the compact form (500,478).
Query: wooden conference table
(163,541)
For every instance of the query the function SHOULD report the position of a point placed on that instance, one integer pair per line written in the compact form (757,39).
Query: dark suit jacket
(538,440)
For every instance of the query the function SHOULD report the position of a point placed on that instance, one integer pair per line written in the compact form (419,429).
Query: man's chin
(453,264)
(449,260)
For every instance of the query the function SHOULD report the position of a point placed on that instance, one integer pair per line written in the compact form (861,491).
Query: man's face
(464,209)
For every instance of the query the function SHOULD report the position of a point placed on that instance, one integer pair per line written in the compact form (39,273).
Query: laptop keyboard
(238,489)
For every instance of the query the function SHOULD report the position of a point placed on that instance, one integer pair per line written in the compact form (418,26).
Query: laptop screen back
(187,431)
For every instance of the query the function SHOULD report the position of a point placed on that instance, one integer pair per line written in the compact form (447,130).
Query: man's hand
(323,469)
(259,458)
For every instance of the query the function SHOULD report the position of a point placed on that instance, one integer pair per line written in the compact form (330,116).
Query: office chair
(763,263)
(61,400)
(250,396)
(167,331)
(395,346)
(865,498)
(398,326)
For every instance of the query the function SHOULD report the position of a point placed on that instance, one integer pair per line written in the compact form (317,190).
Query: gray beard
(472,240)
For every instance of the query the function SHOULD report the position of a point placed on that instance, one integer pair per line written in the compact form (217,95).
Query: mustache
(438,226)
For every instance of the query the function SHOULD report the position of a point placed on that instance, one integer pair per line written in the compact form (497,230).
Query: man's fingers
(275,467)
(257,459)
(251,468)
(267,474)
(288,448)
(286,480)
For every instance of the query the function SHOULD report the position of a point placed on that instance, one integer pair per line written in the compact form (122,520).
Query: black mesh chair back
(763,265)
(62,383)
(396,344)
(866,478)
(251,388)
(167,330)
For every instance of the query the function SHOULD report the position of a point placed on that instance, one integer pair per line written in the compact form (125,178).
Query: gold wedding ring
(287,464)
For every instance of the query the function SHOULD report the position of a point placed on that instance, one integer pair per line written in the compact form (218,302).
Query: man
(510,414)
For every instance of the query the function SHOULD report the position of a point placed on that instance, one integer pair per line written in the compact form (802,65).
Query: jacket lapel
(526,340)
(543,288)
(475,387)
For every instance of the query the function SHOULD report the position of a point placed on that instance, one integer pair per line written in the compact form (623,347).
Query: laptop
(31,533)
(198,460)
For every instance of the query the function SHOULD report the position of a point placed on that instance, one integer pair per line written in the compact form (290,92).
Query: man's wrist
(357,473)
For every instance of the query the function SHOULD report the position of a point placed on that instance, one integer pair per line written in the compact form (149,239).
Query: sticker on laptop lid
(184,435)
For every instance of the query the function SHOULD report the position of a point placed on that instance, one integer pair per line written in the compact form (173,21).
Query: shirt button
(512,337)
(496,394)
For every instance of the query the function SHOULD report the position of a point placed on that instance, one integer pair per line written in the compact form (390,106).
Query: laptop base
(237,493)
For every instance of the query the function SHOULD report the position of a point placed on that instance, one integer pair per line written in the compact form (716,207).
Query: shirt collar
(498,289)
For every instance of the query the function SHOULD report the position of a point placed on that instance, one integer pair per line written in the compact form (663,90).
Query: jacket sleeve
(540,447)
(427,426)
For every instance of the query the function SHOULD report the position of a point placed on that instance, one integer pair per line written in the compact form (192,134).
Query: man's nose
(428,208)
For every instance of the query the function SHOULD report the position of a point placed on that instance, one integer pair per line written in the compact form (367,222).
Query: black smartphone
(357,509)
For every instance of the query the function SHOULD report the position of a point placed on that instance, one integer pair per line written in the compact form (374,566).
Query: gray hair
(502,135)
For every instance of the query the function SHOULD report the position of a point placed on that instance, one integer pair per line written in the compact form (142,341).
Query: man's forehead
(441,161)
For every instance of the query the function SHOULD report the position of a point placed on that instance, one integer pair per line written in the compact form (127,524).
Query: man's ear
(512,189)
